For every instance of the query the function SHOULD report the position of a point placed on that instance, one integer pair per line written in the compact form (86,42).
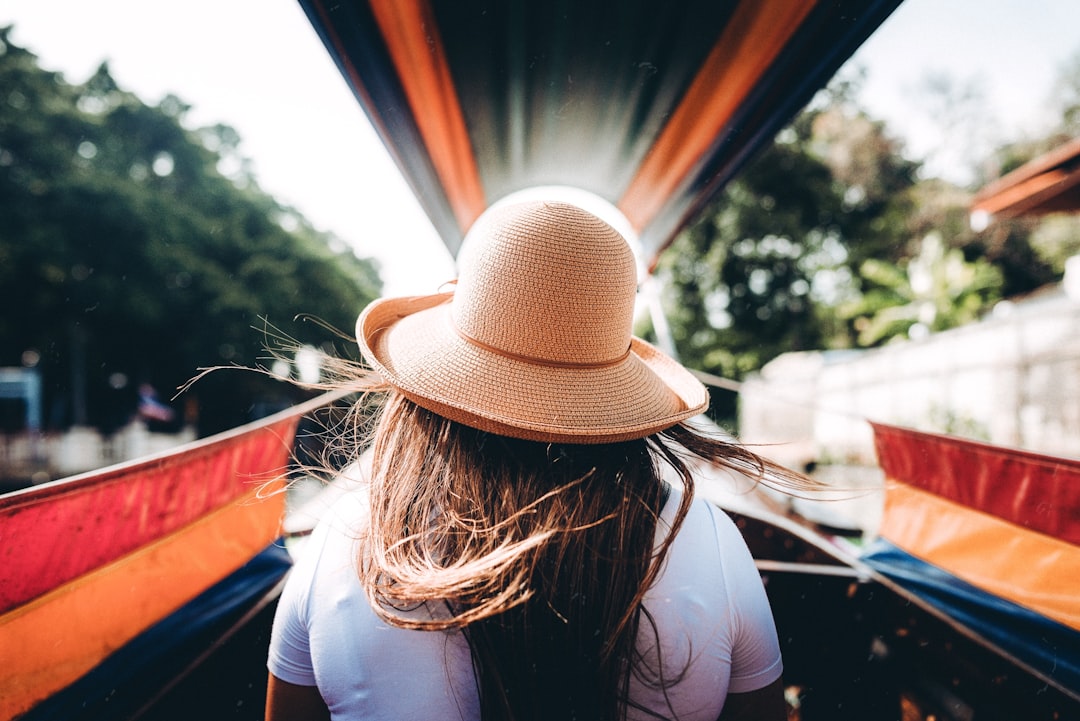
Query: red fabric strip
(1037,492)
(53,534)
(47,644)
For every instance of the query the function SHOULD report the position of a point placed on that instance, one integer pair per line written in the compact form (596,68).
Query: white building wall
(1013,379)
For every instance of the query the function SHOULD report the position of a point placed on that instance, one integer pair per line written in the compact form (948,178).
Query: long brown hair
(540,553)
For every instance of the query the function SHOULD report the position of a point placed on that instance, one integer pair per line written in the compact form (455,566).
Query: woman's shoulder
(340,514)
(708,551)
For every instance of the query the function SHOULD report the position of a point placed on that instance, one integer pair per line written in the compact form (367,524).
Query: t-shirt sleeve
(289,658)
(755,651)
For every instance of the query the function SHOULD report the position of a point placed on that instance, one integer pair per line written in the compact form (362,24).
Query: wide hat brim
(412,343)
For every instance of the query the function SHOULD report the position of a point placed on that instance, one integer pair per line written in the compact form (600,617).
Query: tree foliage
(134,250)
(832,238)
(756,275)
(938,290)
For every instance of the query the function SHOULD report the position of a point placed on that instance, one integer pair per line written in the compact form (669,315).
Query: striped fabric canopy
(989,536)
(1004,520)
(652,106)
(89,563)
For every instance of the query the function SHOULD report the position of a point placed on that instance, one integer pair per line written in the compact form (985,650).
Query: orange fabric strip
(1061,159)
(1031,569)
(749,44)
(52,641)
(1029,193)
(411,35)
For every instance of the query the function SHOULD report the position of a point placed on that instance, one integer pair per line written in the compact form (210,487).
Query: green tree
(127,255)
(761,269)
(876,183)
(937,290)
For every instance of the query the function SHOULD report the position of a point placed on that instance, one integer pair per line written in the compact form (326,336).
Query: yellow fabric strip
(55,639)
(1026,567)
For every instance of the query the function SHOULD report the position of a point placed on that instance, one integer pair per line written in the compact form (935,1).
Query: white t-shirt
(708,604)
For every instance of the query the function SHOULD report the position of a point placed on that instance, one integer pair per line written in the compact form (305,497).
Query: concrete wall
(1013,379)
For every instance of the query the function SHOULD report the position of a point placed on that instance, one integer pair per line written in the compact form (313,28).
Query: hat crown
(547,282)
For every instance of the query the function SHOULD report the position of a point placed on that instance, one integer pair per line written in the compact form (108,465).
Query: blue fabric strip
(130,677)
(1047,646)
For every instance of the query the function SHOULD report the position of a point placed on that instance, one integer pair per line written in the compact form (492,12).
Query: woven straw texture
(536,341)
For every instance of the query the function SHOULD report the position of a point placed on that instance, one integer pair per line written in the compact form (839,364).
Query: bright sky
(1012,50)
(258,66)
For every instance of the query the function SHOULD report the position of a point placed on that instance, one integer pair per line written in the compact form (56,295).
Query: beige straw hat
(536,340)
